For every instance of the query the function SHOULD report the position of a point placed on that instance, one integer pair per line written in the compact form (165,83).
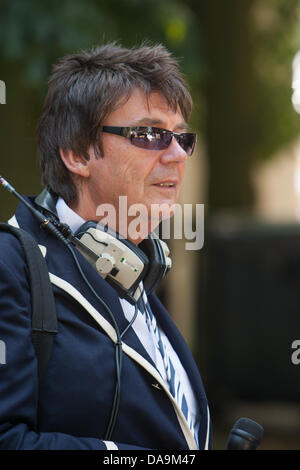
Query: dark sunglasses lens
(154,140)
(187,142)
(160,139)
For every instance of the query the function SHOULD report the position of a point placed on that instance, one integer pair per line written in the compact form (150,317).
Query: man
(120,375)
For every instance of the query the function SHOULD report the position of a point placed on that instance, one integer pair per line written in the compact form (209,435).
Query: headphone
(121,263)
(117,260)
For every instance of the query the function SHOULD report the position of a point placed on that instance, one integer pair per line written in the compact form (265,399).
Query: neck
(134,229)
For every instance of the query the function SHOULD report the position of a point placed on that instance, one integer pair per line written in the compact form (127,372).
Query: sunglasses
(153,138)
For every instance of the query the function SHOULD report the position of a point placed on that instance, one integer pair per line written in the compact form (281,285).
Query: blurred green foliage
(34,34)
(276,39)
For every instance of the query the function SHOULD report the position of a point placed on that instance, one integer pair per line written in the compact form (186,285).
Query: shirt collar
(67,216)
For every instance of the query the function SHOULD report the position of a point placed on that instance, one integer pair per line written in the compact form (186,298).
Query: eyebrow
(157,122)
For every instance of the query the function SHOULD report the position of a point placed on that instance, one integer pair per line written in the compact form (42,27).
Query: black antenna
(45,222)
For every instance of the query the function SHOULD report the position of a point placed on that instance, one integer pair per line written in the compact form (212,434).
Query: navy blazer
(78,388)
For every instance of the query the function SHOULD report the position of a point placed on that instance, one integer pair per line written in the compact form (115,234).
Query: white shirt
(74,221)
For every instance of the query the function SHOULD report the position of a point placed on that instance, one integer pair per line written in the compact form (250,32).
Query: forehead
(142,109)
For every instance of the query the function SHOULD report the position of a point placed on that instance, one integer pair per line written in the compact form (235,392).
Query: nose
(174,153)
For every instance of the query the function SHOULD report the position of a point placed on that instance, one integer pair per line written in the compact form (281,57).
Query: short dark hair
(85,88)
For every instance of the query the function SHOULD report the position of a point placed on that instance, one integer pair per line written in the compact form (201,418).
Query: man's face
(145,176)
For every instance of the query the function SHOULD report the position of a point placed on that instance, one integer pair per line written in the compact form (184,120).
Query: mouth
(166,184)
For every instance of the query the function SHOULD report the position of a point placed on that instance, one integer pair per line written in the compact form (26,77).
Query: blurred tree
(276,38)
(34,34)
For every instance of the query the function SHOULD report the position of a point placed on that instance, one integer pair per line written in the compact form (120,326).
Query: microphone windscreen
(246,434)
(251,427)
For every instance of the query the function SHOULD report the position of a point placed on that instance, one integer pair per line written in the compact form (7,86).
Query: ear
(75,163)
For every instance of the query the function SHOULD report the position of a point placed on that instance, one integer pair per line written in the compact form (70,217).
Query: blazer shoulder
(11,251)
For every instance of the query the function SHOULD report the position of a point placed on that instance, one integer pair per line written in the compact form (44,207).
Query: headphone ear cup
(116,259)
(159,262)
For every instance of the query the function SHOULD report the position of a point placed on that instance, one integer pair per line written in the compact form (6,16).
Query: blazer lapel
(106,301)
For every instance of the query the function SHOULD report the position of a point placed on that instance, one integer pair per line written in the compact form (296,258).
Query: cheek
(134,174)
(181,169)
(126,170)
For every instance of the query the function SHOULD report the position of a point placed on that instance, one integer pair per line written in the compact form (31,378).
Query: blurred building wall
(277,186)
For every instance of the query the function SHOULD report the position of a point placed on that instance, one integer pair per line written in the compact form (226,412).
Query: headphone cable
(118,351)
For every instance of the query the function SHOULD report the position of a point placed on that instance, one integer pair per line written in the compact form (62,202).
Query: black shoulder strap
(44,320)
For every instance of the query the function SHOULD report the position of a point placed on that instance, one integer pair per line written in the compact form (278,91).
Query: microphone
(246,434)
